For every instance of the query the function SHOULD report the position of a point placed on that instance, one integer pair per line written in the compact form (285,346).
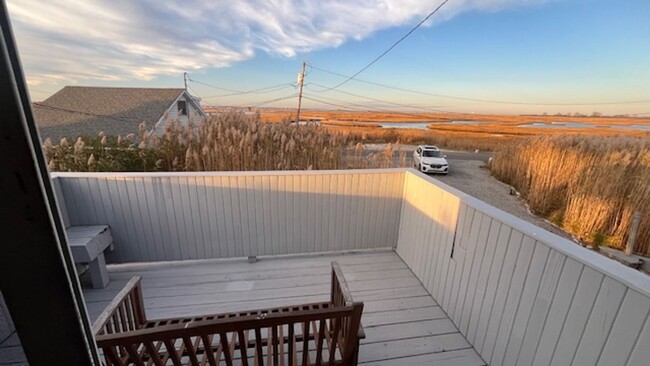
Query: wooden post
(634,228)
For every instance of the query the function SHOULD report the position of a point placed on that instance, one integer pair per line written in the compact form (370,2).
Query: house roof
(81,110)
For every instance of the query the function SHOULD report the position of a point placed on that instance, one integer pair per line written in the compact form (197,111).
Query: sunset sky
(489,56)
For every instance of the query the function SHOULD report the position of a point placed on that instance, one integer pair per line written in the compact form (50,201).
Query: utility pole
(301,79)
(185,80)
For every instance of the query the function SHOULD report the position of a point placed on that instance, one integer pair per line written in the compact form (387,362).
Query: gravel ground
(473,178)
(468,174)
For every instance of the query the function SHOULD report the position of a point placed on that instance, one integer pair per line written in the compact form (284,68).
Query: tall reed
(588,185)
(230,141)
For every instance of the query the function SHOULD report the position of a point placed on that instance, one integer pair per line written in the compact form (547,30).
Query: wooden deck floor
(404,325)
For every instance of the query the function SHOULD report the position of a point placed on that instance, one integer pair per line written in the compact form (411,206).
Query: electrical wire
(212,86)
(365,108)
(233,92)
(268,89)
(194,91)
(269,101)
(333,104)
(433,109)
(465,98)
(391,47)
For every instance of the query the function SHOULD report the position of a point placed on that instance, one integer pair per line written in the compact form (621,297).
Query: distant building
(85,111)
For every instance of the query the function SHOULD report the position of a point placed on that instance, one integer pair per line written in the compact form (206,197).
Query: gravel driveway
(469,174)
(473,178)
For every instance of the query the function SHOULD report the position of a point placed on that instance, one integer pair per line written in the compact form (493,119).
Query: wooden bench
(87,244)
(326,333)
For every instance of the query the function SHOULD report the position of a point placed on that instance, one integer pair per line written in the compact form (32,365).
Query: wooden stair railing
(310,334)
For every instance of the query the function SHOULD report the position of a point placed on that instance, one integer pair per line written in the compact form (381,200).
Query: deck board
(403,324)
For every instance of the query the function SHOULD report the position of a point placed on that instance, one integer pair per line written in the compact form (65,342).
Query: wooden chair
(325,333)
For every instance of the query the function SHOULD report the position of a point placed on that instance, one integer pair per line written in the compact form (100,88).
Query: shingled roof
(85,111)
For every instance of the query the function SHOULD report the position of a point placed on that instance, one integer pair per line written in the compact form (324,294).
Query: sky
(473,56)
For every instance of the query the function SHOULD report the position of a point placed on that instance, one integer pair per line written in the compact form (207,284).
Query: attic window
(182,108)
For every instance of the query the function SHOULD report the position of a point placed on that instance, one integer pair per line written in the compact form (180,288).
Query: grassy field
(588,185)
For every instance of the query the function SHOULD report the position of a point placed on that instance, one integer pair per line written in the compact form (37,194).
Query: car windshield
(431,154)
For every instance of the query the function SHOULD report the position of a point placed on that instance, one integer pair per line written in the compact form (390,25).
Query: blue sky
(524,51)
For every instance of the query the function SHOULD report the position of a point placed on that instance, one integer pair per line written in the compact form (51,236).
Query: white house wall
(172,114)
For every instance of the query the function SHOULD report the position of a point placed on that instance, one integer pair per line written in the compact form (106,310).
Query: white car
(429,159)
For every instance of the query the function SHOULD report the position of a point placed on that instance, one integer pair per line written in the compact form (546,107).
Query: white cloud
(64,40)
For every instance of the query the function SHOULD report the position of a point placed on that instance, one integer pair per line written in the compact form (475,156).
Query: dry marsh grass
(228,142)
(453,140)
(488,135)
(588,185)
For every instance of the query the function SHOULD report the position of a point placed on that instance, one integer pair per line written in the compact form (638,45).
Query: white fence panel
(176,216)
(520,295)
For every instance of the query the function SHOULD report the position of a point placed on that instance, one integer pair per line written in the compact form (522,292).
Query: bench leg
(98,272)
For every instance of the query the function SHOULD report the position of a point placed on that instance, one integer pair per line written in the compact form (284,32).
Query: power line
(466,98)
(391,47)
(433,109)
(213,86)
(233,92)
(365,108)
(269,101)
(194,91)
(267,89)
(333,104)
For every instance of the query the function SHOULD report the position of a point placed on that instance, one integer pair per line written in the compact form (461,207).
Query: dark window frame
(182,107)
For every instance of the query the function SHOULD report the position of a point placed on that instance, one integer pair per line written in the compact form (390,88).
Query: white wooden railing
(519,294)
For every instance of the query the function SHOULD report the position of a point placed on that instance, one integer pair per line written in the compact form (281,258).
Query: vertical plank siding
(521,295)
(163,217)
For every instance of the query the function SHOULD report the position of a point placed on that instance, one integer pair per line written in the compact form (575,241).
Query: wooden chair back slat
(243,347)
(133,355)
(115,318)
(227,355)
(191,350)
(171,350)
(153,353)
(321,337)
(209,353)
(259,351)
(111,357)
(305,343)
(291,354)
(336,325)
